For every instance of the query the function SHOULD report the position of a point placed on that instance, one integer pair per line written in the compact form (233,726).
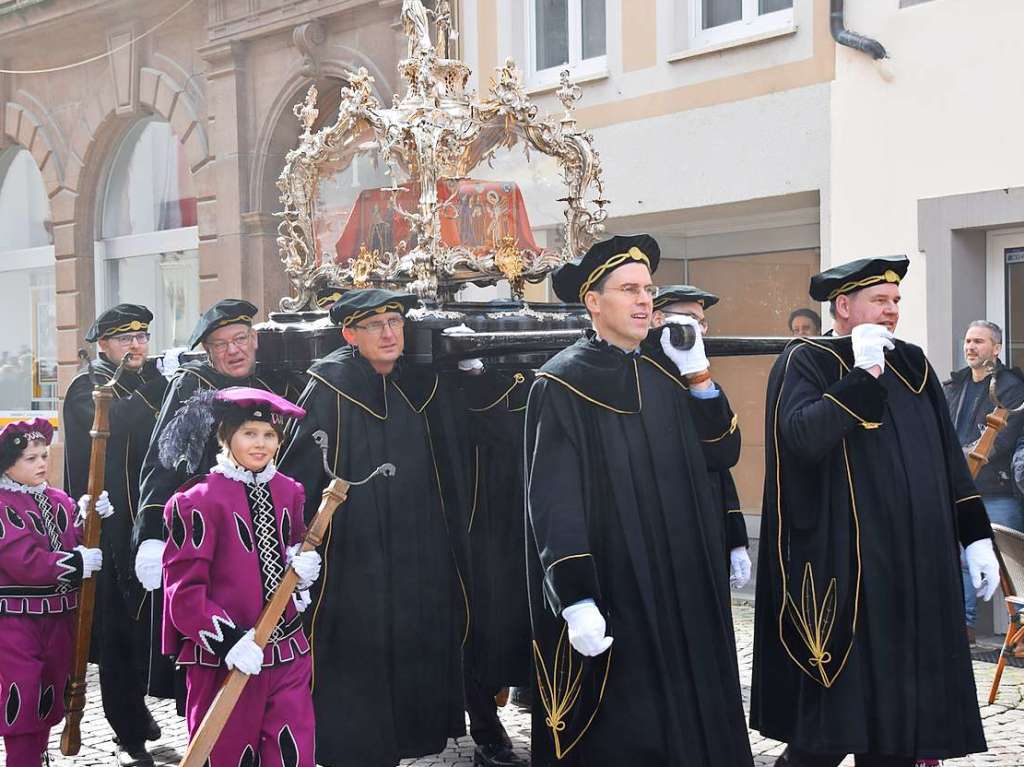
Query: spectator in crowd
(967,393)
(804,322)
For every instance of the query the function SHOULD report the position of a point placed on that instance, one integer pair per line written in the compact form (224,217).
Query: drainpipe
(843,36)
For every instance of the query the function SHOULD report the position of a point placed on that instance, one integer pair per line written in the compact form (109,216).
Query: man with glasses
(690,301)
(226,333)
(391,613)
(123,626)
(633,641)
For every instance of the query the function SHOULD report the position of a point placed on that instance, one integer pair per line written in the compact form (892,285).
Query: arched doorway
(28,345)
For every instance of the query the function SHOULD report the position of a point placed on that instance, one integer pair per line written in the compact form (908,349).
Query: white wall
(948,122)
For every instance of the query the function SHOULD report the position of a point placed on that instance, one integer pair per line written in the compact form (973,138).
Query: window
(566,34)
(28,347)
(716,21)
(148,252)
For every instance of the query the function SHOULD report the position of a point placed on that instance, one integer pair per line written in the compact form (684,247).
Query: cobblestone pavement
(1004,723)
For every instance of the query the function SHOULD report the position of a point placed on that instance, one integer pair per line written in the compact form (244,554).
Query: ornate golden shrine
(441,205)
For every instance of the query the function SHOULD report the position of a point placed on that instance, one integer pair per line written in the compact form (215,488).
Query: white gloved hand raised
(739,567)
(587,628)
(689,361)
(470,365)
(103,507)
(869,345)
(983,567)
(245,655)
(306,565)
(149,563)
(92,560)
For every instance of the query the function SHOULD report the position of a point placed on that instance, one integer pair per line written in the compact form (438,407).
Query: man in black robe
(859,642)
(691,301)
(498,651)
(629,596)
(226,333)
(123,626)
(391,613)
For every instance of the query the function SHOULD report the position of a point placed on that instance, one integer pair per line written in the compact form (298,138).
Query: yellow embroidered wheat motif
(814,622)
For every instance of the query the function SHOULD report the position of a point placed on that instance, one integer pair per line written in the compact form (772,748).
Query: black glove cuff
(572,579)
(972,520)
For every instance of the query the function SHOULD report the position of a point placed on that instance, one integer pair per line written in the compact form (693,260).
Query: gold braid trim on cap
(849,287)
(633,254)
(235,320)
(353,318)
(126,328)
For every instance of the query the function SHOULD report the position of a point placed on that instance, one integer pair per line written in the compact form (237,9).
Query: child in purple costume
(232,535)
(42,563)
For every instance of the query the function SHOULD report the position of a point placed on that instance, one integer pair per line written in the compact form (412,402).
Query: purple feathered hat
(16,436)
(187,434)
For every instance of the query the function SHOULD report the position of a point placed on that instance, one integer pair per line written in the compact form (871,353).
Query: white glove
(170,361)
(103,507)
(470,365)
(306,565)
(739,567)
(245,655)
(869,345)
(586,628)
(983,567)
(301,600)
(149,564)
(92,560)
(689,361)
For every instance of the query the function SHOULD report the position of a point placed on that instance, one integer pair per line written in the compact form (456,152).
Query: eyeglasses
(636,290)
(128,338)
(241,342)
(376,327)
(700,320)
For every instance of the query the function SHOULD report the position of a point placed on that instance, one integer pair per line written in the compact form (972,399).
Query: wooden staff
(216,718)
(102,395)
(995,422)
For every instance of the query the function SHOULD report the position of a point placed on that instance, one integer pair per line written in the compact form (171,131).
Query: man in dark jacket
(124,632)
(967,393)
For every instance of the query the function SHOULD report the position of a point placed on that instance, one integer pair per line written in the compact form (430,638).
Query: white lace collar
(6,483)
(227,466)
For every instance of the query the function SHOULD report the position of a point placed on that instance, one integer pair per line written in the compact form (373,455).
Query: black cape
(390,611)
(122,606)
(859,644)
(621,510)
(498,651)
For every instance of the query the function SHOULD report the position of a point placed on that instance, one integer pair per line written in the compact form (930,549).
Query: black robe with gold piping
(620,510)
(390,610)
(498,651)
(859,643)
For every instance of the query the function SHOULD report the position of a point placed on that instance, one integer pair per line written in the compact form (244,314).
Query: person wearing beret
(226,334)
(391,614)
(690,301)
(629,597)
(234,533)
(42,565)
(859,641)
(124,623)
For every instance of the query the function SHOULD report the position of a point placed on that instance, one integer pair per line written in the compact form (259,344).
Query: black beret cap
(357,305)
(229,311)
(856,275)
(572,280)
(327,295)
(123,318)
(670,294)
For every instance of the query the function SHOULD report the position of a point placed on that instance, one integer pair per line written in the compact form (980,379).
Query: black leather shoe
(139,757)
(153,731)
(497,756)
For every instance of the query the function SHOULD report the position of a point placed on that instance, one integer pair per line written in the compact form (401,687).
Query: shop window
(148,252)
(718,21)
(28,346)
(566,34)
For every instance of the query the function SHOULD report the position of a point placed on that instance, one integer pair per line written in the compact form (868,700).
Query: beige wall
(947,122)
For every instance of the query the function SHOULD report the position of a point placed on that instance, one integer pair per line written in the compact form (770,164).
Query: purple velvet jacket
(37,578)
(213,577)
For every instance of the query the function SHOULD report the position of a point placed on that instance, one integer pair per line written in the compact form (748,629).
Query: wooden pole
(71,738)
(216,718)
